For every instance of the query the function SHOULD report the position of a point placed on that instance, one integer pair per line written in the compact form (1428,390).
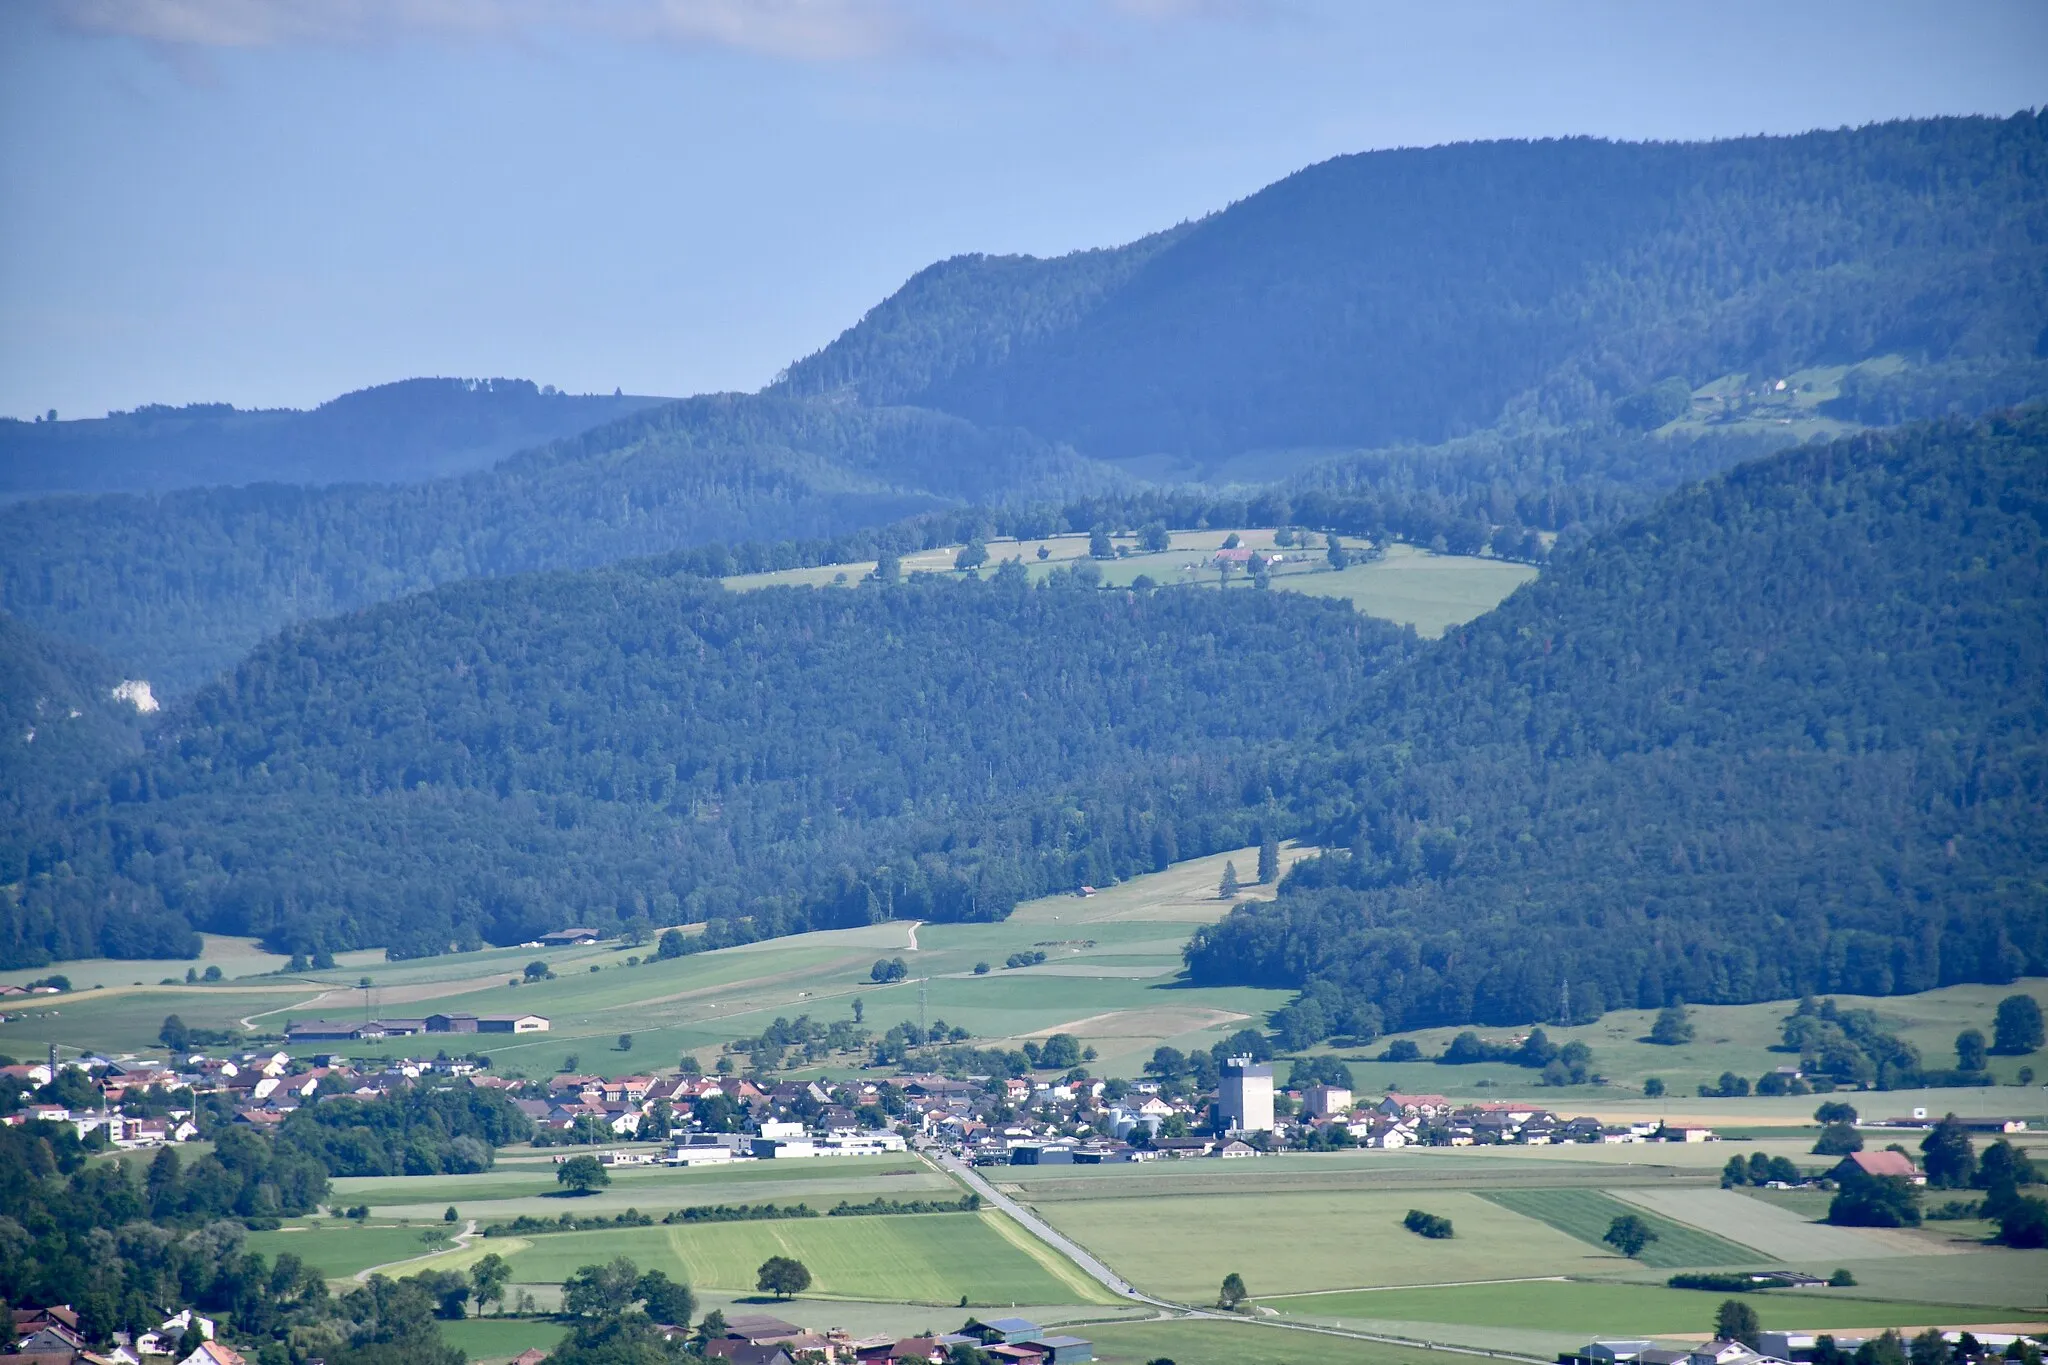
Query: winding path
(1122,1288)
(462,1241)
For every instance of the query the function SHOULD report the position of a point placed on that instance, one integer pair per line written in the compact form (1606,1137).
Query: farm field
(1301,1240)
(492,1338)
(1409,586)
(1208,1341)
(1780,1232)
(917,1258)
(1586,1215)
(1582,1310)
(1734,1038)
(508,1193)
(338,1248)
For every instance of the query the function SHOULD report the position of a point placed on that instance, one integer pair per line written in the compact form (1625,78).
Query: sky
(271,202)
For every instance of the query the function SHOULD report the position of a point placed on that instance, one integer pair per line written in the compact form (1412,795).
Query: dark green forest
(477,763)
(1787,734)
(60,724)
(392,433)
(1490,324)
(1418,295)
(177,586)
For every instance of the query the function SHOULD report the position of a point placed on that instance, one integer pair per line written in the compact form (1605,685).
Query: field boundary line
(1397,1288)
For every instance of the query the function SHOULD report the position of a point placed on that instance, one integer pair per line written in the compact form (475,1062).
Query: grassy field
(338,1248)
(924,1258)
(503,1194)
(1586,1215)
(1214,1342)
(1590,1310)
(490,1339)
(1734,1038)
(1410,586)
(1304,1240)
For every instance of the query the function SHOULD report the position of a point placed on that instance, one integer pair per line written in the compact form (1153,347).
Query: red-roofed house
(1879,1164)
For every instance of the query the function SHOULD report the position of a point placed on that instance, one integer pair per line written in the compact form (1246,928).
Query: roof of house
(1882,1163)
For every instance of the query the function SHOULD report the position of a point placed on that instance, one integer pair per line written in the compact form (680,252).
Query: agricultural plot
(920,1258)
(494,1339)
(1773,1230)
(338,1248)
(1734,1038)
(1586,1215)
(652,1188)
(1214,1342)
(1583,1310)
(1412,587)
(1409,586)
(1306,1240)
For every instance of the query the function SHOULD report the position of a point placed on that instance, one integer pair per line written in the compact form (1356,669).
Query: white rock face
(135,691)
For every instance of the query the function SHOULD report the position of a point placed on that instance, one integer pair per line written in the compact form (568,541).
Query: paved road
(1122,1288)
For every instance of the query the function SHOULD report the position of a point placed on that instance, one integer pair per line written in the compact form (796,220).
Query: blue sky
(274,201)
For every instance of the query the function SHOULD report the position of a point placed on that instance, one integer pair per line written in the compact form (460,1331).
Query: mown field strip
(1779,1231)
(1586,1214)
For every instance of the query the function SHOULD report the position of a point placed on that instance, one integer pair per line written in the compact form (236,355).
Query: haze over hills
(1417,295)
(393,433)
(1540,299)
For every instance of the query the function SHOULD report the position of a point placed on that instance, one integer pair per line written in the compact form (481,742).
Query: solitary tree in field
(972,556)
(889,568)
(488,1278)
(1653,1088)
(2017,1029)
(1234,1295)
(782,1276)
(1269,858)
(1969,1050)
(1735,1320)
(1230,887)
(582,1174)
(625,1042)
(1673,1026)
(1629,1234)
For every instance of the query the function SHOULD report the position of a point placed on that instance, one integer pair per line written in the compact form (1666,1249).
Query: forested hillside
(496,758)
(393,433)
(1480,335)
(1786,734)
(1416,295)
(178,586)
(61,723)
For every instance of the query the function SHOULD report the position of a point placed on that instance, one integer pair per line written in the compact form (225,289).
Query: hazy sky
(275,201)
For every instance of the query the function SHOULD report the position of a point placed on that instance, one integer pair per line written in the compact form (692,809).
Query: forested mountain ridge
(1419,294)
(392,433)
(62,723)
(1786,734)
(1535,296)
(177,586)
(487,760)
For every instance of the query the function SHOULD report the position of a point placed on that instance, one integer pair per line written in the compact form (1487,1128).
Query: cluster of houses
(1772,1348)
(52,1336)
(376,1030)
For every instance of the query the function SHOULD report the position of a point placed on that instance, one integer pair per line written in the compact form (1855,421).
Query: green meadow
(1587,1214)
(1571,1307)
(1409,586)
(917,1258)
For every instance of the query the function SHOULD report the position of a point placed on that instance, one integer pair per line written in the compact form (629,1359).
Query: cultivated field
(1410,586)
(1780,1232)
(1579,1310)
(1213,1342)
(338,1248)
(1587,1214)
(918,1258)
(1182,1248)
